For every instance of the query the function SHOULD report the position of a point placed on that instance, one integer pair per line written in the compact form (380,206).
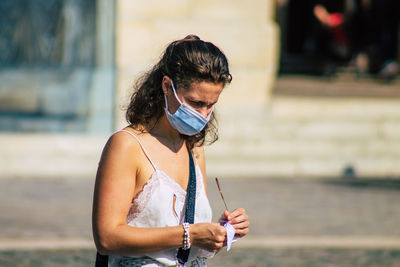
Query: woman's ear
(165,85)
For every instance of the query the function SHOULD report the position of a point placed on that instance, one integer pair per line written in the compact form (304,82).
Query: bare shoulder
(121,147)
(124,139)
(122,142)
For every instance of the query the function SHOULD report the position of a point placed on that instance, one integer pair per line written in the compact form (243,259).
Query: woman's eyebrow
(201,102)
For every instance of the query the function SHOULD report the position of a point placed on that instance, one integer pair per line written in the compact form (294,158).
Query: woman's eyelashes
(200,104)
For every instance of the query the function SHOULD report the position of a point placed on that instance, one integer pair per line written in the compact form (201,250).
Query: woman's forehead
(207,92)
(204,88)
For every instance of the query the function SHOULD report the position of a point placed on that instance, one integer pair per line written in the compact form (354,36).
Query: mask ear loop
(173,90)
(209,114)
(166,99)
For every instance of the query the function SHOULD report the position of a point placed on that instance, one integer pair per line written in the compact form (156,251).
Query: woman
(140,193)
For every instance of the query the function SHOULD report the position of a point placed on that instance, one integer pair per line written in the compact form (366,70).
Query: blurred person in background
(335,34)
(374,27)
(140,199)
(367,31)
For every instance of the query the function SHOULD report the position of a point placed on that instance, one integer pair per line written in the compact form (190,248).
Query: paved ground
(52,208)
(235,258)
(280,209)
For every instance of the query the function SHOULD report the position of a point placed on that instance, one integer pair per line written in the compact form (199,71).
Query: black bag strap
(183,255)
(101,260)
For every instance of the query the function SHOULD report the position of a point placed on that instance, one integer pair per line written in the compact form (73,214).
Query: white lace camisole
(154,207)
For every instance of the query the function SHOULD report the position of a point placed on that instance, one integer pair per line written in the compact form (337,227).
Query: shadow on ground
(366,183)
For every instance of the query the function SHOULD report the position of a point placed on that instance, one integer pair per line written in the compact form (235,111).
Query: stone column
(101,105)
(244,30)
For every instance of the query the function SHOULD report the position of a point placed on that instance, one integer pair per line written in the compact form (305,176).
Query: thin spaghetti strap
(141,145)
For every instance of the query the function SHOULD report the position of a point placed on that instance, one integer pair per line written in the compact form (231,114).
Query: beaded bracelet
(186,236)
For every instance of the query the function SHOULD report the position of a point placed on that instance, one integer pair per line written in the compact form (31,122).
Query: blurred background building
(57,63)
(67,68)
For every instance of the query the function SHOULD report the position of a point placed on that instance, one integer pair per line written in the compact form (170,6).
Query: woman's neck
(168,135)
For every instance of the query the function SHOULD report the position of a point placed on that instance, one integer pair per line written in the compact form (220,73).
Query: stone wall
(44,100)
(244,30)
(277,137)
(56,66)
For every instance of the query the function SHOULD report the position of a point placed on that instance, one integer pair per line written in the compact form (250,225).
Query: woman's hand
(208,236)
(239,219)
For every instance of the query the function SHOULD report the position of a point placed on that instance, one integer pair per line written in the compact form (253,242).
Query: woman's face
(201,96)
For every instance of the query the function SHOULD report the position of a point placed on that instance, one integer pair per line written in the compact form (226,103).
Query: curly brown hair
(185,61)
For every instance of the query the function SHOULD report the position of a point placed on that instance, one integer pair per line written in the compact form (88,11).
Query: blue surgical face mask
(186,120)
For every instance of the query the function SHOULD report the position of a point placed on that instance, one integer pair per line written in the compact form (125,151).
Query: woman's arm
(114,190)
(238,217)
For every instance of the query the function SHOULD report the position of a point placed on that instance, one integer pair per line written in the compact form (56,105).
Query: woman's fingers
(241,231)
(240,221)
(237,212)
(238,216)
(225,216)
(241,225)
(209,236)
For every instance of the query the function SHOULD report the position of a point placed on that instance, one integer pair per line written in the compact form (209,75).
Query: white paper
(230,234)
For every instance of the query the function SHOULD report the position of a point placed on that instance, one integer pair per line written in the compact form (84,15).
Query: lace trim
(142,198)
